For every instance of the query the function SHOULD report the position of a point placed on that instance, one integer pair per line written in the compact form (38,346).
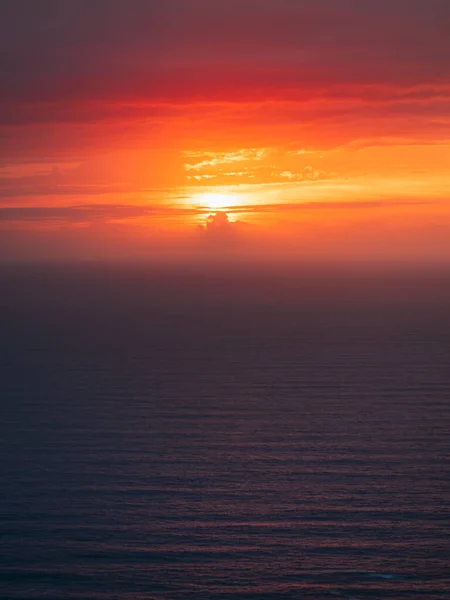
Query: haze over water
(224,433)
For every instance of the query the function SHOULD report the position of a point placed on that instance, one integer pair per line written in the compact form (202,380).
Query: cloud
(76,60)
(90,213)
(222,234)
(217,225)
(355,205)
(214,159)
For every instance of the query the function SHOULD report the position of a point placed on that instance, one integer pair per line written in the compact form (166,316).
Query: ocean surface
(224,433)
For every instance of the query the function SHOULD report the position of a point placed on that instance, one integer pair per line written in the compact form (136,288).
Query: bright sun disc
(217,201)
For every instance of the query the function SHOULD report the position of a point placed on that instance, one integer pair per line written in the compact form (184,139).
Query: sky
(191,129)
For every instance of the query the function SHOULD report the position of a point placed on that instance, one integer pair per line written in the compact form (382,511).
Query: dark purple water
(224,435)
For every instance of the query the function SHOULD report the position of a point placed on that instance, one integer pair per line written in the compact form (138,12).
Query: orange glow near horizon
(375,200)
(304,144)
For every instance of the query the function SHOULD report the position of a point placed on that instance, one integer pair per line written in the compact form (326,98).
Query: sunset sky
(261,128)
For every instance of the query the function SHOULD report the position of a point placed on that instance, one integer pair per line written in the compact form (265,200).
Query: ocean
(224,432)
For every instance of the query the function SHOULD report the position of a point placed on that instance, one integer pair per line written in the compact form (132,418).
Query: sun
(215,201)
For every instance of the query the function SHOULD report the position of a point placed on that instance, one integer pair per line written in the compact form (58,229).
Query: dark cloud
(217,226)
(222,235)
(359,205)
(89,213)
(77,52)
(17,189)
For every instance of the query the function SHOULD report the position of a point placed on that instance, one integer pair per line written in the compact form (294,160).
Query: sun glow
(215,201)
